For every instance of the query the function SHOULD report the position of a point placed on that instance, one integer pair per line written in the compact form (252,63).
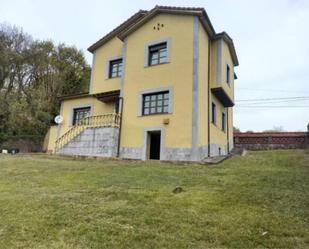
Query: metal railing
(106,120)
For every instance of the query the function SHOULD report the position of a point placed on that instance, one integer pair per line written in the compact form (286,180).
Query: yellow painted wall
(227,59)
(177,73)
(100,81)
(217,135)
(213,64)
(50,139)
(97,108)
(203,86)
(231,133)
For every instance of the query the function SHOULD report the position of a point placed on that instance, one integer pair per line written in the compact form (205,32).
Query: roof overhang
(200,12)
(110,96)
(225,37)
(222,96)
(74,96)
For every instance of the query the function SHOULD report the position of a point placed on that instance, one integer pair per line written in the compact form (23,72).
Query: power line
(265,99)
(275,102)
(291,106)
(267,90)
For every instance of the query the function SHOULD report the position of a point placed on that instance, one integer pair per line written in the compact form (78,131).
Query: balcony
(222,96)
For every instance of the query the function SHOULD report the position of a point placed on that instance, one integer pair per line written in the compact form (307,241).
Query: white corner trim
(195,90)
(124,60)
(92,73)
(219,61)
(170,89)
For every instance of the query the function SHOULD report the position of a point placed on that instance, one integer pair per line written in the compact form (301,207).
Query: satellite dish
(58,119)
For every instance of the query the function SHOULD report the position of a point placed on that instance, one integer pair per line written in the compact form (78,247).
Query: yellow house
(162,87)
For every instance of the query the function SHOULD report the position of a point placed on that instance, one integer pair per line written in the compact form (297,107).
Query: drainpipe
(227,130)
(120,125)
(208,99)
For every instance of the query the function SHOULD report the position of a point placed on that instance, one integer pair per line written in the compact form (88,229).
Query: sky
(271,38)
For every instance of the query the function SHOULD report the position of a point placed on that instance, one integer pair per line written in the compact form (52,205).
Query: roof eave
(229,41)
(197,12)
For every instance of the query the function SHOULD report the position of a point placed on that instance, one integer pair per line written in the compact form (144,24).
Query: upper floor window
(157,54)
(155,103)
(223,121)
(213,113)
(228,74)
(79,114)
(115,68)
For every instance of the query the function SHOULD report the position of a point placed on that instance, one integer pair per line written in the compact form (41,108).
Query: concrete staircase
(92,136)
(101,141)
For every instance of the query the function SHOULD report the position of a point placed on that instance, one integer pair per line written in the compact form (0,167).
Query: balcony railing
(106,120)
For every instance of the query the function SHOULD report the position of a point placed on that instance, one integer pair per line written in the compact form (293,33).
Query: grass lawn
(257,201)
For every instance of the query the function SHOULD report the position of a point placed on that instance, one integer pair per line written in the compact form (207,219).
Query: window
(213,113)
(157,54)
(79,114)
(115,68)
(155,103)
(223,121)
(228,71)
(116,106)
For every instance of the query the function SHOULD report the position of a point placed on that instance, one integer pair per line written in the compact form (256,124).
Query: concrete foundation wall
(103,142)
(93,142)
(175,154)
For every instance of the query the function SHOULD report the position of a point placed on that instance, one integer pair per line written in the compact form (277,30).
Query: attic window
(115,68)
(157,54)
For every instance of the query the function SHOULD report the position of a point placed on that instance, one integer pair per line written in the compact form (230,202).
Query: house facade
(162,87)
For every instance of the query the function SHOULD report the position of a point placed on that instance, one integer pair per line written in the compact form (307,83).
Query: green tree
(33,74)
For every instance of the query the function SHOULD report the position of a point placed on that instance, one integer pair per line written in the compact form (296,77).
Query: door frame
(146,145)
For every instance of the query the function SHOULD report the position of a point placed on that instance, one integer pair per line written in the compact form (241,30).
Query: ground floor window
(155,103)
(223,121)
(80,113)
(213,113)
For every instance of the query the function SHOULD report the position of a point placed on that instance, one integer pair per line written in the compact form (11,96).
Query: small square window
(115,68)
(157,54)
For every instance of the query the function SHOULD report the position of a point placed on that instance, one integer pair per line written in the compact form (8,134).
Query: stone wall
(23,144)
(271,140)
(93,142)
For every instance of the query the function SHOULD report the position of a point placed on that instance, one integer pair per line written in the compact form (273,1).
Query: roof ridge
(179,8)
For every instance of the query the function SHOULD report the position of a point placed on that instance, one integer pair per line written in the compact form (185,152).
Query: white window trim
(149,44)
(107,66)
(155,90)
(162,145)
